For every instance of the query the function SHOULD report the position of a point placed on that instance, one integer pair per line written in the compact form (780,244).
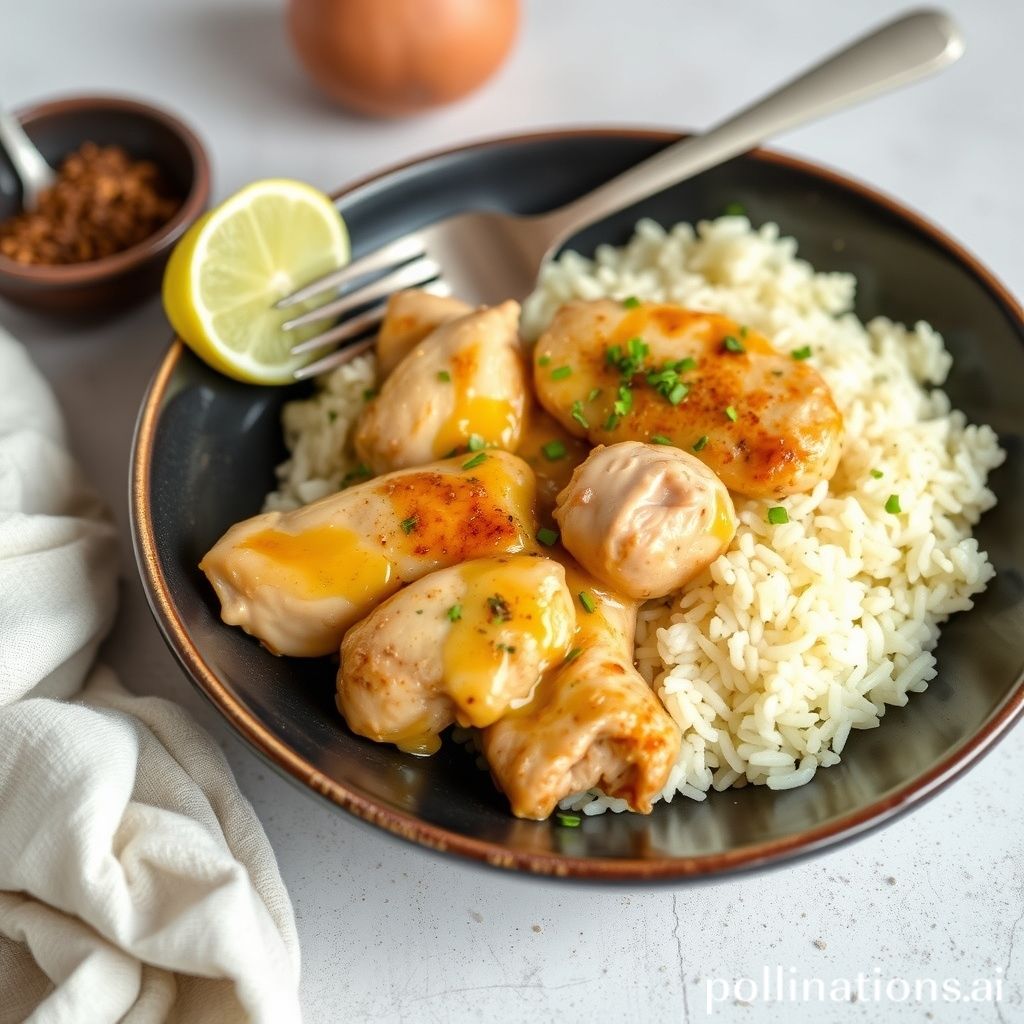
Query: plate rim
(406,825)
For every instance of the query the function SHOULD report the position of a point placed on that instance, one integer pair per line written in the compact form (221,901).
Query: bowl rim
(411,828)
(192,204)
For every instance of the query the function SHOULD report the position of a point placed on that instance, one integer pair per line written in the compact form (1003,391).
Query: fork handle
(898,53)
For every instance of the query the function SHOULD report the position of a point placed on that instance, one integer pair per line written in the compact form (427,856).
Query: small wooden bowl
(58,127)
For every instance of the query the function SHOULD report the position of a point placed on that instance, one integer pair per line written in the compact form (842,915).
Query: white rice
(802,632)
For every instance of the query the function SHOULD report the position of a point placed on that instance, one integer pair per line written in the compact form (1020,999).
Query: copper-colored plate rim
(408,826)
(192,204)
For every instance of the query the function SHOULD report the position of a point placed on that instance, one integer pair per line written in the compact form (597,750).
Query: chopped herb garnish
(733,344)
(678,393)
(369,393)
(408,525)
(547,537)
(568,820)
(699,444)
(743,330)
(685,365)
(553,450)
(475,443)
(730,411)
(587,601)
(475,461)
(801,353)
(361,472)
(561,372)
(624,402)
(660,439)
(612,422)
(777,515)
(630,362)
(499,608)
(573,655)
(734,209)
(544,360)
(631,303)
(577,414)
(444,376)
(877,474)
(892,506)
(594,393)
(454,613)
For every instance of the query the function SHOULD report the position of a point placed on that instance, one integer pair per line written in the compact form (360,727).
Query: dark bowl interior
(207,447)
(58,128)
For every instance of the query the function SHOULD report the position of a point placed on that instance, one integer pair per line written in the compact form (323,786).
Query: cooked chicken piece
(463,385)
(645,518)
(593,721)
(410,316)
(460,645)
(764,421)
(297,580)
(552,453)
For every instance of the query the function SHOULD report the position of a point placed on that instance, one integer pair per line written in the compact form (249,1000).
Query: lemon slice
(233,264)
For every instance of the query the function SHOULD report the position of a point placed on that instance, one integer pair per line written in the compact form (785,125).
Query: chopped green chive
(638,348)
(612,422)
(475,443)
(577,414)
(547,537)
(801,353)
(408,525)
(444,376)
(361,472)
(553,450)
(624,402)
(499,608)
(544,360)
(678,393)
(877,474)
(475,461)
(454,613)
(573,655)
(660,439)
(743,330)
(631,303)
(734,209)
(730,411)
(684,365)
(892,506)
(561,372)
(568,820)
(778,515)
(733,344)
(699,444)
(369,393)
(587,601)
(594,393)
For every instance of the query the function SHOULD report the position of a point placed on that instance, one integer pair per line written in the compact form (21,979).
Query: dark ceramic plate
(206,448)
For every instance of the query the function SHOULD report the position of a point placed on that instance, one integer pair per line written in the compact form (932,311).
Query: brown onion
(392,57)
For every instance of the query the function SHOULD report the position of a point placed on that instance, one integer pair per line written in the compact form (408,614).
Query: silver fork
(488,257)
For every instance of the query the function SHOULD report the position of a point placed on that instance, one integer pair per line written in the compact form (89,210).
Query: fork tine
(336,358)
(398,251)
(350,328)
(410,276)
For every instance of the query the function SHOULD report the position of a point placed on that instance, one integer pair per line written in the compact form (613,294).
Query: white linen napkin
(136,883)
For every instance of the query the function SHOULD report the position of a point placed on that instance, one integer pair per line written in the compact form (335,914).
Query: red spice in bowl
(102,202)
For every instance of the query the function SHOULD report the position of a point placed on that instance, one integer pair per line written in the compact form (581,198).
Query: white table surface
(390,933)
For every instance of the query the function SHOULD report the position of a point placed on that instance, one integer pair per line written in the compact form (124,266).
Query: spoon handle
(29,164)
(896,54)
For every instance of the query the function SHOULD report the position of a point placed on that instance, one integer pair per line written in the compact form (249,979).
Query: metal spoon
(34,173)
